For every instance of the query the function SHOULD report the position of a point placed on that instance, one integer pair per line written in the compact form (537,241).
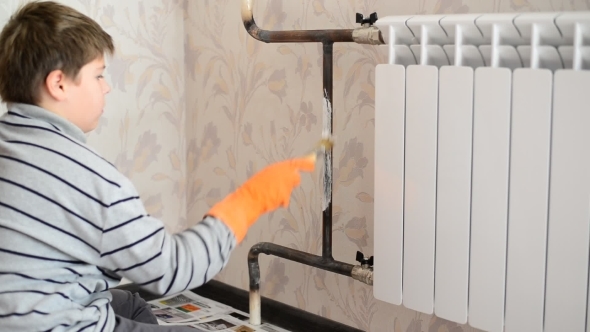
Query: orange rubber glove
(267,190)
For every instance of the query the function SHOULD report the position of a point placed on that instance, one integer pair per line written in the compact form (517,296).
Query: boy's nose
(106,88)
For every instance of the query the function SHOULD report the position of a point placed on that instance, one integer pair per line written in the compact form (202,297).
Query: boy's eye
(100,76)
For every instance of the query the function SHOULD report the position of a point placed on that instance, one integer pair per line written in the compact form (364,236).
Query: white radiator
(482,169)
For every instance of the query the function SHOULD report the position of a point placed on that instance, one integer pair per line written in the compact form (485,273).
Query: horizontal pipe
(303,36)
(273,249)
(290,254)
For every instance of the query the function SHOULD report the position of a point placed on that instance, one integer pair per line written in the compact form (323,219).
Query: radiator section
(482,169)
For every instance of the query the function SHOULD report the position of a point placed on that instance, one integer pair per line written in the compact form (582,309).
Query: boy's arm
(141,250)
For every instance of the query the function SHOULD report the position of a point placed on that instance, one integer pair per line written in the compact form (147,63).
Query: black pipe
(292,255)
(328,48)
(327,38)
(325,261)
(297,36)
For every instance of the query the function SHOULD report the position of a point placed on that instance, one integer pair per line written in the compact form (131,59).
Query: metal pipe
(362,35)
(298,256)
(290,36)
(292,255)
(328,78)
(366,34)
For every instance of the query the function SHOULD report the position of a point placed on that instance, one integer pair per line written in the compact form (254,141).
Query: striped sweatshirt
(71,226)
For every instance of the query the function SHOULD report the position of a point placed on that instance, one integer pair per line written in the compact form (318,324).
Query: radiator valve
(367,33)
(366,22)
(365,262)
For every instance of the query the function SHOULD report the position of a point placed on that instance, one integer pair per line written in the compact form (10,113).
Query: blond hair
(42,37)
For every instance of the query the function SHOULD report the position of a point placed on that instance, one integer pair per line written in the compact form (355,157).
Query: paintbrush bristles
(325,144)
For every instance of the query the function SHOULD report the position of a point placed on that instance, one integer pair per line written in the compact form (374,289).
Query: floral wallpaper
(197,106)
(256,103)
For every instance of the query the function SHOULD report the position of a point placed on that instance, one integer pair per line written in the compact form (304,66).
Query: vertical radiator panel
(390,98)
(489,209)
(453,195)
(420,187)
(529,182)
(569,204)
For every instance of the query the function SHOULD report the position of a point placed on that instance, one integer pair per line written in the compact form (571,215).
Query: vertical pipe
(254,272)
(328,47)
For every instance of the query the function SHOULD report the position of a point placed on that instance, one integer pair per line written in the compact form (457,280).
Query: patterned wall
(198,106)
(256,103)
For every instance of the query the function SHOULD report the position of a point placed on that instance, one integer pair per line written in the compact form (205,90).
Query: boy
(71,225)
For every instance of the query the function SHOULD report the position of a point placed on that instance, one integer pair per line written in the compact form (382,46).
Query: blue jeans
(133,314)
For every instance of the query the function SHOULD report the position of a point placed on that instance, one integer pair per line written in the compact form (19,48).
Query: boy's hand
(267,190)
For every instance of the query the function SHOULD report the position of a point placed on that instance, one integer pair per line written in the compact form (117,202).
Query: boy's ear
(55,83)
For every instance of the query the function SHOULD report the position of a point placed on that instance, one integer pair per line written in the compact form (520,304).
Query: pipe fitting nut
(362,274)
(368,35)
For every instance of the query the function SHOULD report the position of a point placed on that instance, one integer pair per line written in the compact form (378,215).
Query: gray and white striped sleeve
(138,247)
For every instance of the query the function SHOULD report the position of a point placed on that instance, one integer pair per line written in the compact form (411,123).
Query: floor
(204,315)
(216,306)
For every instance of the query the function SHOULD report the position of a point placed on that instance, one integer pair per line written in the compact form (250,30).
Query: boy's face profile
(81,100)
(43,47)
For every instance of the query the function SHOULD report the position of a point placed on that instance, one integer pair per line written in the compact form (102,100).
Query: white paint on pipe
(328,163)
(255,308)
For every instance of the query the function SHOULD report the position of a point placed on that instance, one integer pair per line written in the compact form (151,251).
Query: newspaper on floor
(204,315)
(184,307)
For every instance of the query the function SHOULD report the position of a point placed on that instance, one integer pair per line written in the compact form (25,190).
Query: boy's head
(52,56)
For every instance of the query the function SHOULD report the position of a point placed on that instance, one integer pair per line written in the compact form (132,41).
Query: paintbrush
(322,146)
